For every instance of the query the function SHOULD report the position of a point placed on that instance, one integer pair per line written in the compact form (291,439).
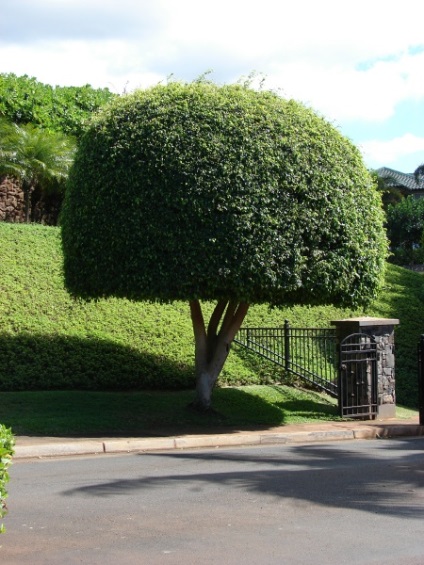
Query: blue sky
(359,64)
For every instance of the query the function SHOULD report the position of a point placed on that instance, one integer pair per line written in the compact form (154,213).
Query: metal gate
(358,394)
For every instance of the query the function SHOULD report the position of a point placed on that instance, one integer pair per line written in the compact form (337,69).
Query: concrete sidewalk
(40,447)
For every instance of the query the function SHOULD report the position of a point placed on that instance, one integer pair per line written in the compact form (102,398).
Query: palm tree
(38,159)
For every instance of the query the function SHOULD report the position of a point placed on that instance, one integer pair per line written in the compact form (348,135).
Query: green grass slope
(48,341)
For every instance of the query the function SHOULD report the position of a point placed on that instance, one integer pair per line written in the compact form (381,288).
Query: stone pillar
(382,330)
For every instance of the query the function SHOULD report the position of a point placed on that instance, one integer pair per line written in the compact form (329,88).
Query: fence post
(421,379)
(286,345)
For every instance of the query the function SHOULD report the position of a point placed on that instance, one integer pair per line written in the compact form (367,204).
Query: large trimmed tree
(205,193)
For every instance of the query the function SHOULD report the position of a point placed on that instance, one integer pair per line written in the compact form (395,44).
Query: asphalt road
(346,502)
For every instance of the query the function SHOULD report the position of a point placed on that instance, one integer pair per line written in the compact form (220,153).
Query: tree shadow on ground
(382,481)
(71,387)
(62,362)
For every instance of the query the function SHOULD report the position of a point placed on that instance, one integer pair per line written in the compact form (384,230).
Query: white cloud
(343,93)
(102,64)
(32,21)
(339,92)
(353,62)
(325,53)
(386,153)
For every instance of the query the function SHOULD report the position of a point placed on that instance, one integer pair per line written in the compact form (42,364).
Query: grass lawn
(91,414)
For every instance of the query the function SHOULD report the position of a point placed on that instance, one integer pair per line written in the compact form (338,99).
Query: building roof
(401,180)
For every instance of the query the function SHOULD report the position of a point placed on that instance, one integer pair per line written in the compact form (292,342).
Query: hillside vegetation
(25,100)
(48,341)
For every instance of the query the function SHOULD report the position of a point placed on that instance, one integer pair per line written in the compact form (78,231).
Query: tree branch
(237,320)
(228,317)
(197,317)
(200,337)
(216,317)
(212,332)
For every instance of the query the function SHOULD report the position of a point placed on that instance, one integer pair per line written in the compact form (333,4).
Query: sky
(358,64)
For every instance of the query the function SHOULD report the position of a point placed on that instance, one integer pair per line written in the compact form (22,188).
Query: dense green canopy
(196,191)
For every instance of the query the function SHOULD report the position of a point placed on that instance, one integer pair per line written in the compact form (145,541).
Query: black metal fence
(309,353)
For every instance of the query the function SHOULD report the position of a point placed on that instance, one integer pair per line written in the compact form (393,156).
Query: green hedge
(6,451)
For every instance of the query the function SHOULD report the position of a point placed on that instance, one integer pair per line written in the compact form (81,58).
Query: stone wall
(43,210)
(12,206)
(386,368)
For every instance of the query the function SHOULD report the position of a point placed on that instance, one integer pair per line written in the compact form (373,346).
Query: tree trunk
(27,188)
(212,344)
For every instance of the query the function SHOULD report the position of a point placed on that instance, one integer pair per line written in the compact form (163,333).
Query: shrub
(405,225)
(6,452)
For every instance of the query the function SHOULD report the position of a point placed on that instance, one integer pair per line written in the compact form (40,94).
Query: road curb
(396,431)
(133,445)
(57,449)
